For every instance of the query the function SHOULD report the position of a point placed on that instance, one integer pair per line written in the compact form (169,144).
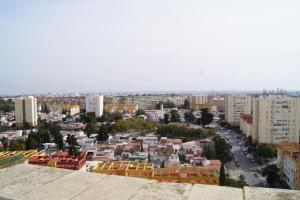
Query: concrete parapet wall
(26,181)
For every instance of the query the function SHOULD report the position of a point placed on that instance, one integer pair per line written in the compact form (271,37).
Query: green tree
(175,117)
(271,172)
(265,151)
(189,117)
(206,117)
(222,177)
(116,116)
(166,118)
(17,145)
(71,140)
(4,142)
(222,149)
(54,129)
(90,128)
(140,112)
(73,151)
(186,104)
(209,151)
(105,116)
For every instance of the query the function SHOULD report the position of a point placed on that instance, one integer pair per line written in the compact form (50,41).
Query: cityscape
(149,100)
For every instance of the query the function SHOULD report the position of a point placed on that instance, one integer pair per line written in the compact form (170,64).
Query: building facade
(235,107)
(276,118)
(26,111)
(94,103)
(288,161)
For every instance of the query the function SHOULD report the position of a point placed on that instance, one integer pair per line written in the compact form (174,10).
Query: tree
(105,116)
(166,118)
(140,112)
(186,104)
(32,141)
(91,127)
(182,158)
(17,145)
(222,177)
(175,117)
(4,142)
(271,172)
(189,117)
(73,151)
(209,151)
(117,116)
(54,129)
(71,140)
(206,117)
(103,132)
(265,151)
(222,149)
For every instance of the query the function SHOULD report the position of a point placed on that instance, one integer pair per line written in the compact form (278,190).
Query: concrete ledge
(26,181)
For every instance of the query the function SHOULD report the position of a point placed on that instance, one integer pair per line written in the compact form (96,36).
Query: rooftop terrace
(34,182)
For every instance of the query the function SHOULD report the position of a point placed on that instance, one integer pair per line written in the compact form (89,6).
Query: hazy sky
(141,45)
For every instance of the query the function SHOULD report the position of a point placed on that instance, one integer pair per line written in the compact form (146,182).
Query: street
(242,165)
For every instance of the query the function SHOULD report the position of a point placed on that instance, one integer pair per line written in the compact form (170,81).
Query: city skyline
(117,46)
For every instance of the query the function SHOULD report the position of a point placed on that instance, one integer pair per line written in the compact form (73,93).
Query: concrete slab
(254,193)
(23,179)
(113,187)
(204,192)
(66,187)
(162,191)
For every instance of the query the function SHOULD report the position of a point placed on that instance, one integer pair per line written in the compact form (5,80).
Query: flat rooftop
(32,182)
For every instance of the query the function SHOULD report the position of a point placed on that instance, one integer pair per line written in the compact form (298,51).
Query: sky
(148,45)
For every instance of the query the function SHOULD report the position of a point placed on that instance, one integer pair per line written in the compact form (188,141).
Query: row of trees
(7,105)
(206,117)
(180,131)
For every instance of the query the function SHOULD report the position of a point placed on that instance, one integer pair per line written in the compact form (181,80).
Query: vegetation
(189,116)
(17,145)
(235,183)
(175,117)
(264,151)
(166,118)
(222,177)
(140,112)
(186,104)
(219,150)
(182,158)
(4,142)
(209,151)
(7,105)
(167,104)
(222,149)
(134,124)
(271,172)
(206,117)
(180,131)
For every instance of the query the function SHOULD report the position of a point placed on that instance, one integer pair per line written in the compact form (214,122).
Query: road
(242,165)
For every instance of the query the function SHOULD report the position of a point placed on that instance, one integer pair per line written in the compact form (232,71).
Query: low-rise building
(288,161)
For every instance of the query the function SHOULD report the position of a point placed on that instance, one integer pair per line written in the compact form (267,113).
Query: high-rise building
(26,111)
(276,118)
(94,103)
(235,107)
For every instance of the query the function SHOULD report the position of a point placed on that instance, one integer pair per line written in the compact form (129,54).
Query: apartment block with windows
(26,111)
(275,119)
(235,107)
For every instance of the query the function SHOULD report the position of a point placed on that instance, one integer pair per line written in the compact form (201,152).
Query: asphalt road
(245,166)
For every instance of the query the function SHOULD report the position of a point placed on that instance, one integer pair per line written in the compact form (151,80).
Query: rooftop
(26,181)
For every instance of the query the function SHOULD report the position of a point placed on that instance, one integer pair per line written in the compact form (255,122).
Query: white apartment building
(26,111)
(235,107)
(94,103)
(276,118)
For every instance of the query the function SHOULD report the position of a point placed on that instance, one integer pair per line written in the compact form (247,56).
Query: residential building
(94,103)
(26,111)
(122,107)
(71,109)
(288,161)
(276,118)
(235,107)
